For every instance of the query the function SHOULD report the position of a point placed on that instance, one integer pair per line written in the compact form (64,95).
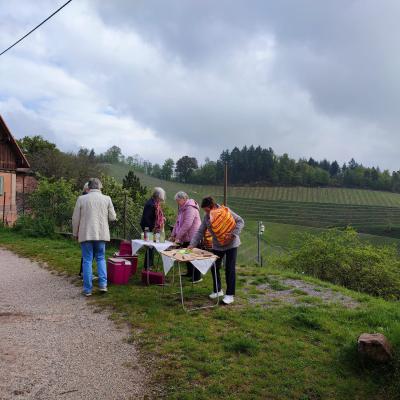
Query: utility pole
(260,232)
(225,183)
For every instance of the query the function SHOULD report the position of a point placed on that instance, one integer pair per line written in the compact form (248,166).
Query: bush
(343,259)
(53,201)
(35,227)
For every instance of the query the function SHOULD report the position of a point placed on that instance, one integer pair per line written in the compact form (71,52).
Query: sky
(167,78)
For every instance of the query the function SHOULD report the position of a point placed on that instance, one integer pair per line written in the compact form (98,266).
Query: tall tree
(185,167)
(132,183)
(167,169)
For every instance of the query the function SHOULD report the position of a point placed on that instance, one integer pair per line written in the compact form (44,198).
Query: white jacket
(91,215)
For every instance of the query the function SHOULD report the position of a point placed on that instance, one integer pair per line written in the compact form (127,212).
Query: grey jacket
(206,224)
(91,215)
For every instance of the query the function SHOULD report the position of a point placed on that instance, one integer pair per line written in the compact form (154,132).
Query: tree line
(249,165)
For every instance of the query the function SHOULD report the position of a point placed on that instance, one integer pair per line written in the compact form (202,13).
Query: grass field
(284,211)
(279,350)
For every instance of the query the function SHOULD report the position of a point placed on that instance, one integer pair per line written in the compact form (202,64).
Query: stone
(375,347)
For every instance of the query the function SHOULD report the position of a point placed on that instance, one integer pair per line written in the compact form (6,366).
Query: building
(16,178)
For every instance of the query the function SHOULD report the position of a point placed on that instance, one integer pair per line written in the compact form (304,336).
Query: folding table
(202,260)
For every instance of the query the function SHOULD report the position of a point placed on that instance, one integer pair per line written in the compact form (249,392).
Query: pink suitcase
(152,278)
(132,259)
(118,271)
(125,248)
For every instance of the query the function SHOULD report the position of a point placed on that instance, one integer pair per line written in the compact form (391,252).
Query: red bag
(118,271)
(125,248)
(133,260)
(152,278)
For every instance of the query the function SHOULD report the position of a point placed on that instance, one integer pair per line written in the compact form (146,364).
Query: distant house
(16,178)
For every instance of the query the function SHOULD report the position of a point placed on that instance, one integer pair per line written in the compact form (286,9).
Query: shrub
(53,200)
(342,258)
(35,227)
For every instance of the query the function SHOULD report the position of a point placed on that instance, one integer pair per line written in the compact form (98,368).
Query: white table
(203,265)
(137,244)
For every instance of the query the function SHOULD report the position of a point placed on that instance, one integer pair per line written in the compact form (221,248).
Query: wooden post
(4,207)
(226,184)
(125,216)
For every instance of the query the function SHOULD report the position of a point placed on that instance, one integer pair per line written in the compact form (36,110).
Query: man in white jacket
(90,225)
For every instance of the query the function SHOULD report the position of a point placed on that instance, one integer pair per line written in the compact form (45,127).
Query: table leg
(182,300)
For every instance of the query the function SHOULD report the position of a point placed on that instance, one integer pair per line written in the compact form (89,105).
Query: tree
(31,145)
(132,184)
(167,169)
(113,155)
(156,171)
(185,167)
(334,169)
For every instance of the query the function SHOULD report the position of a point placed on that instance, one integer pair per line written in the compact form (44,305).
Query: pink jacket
(188,222)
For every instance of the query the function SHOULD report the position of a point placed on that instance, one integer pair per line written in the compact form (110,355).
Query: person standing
(85,190)
(187,224)
(90,225)
(225,227)
(153,219)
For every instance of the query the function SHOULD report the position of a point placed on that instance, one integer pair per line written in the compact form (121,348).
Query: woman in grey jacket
(228,250)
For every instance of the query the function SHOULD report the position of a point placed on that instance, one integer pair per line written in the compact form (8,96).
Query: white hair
(94,183)
(159,193)
(181,196)
(86,186)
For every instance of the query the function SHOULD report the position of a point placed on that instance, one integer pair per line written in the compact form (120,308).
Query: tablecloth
(137,244)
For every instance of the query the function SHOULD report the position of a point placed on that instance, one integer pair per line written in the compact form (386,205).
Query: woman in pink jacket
(187,224)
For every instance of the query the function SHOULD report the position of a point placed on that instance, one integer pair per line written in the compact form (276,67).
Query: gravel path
(52,344)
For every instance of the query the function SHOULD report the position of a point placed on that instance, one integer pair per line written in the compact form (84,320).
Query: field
(284,211)
(279,343)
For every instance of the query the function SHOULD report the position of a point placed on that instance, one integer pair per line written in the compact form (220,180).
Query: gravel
(52,344)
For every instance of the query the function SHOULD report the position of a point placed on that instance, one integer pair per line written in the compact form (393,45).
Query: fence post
(125,216)
(225,184)
(4,207)
(260,231)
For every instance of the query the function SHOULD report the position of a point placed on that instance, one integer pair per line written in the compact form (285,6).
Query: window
(1,185)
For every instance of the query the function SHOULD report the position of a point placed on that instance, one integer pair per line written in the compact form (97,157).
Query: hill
(286,210)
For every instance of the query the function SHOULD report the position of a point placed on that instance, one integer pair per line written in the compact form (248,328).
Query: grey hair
(159,193)
(86,186)
(181,196)
(94,183)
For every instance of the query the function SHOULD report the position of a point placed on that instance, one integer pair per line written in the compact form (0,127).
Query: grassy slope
(299,210)
(246,351)
(302,194)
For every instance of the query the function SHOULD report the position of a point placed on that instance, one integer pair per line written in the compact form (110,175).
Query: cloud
(171,78)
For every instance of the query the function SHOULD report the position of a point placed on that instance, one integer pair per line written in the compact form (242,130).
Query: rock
(375,347)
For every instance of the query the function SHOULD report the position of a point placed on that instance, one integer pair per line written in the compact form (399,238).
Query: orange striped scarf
(222,223)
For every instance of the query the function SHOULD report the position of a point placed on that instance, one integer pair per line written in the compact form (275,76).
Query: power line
(36,27)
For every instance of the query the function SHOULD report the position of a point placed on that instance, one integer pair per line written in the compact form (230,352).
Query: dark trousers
(230,270)
(193,272)
(149,258)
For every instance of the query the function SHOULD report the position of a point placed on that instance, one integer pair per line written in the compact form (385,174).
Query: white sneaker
(198,281)
(103,289)
(228,299)
(214,295)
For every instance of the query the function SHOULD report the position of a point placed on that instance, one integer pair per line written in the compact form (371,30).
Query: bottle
(142,236)
(162,235)
(146,234)
(157,238)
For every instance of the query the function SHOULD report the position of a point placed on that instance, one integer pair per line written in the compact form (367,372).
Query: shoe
(86,294)
(228,299)
(103,289)
(95,277)
(198,281)
(214,295)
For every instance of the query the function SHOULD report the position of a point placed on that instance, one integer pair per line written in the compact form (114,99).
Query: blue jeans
(97,250)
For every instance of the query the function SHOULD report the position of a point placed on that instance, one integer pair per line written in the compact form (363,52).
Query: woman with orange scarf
(225,227)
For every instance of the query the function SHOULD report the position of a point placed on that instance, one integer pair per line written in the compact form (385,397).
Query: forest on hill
(247,166)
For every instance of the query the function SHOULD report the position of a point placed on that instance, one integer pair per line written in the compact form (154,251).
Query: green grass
(245,351)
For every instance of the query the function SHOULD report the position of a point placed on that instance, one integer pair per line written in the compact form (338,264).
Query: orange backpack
(222,223)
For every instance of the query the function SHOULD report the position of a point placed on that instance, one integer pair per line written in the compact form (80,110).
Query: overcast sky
(165,78)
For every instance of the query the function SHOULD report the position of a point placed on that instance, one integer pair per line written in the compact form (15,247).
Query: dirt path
(52,344)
